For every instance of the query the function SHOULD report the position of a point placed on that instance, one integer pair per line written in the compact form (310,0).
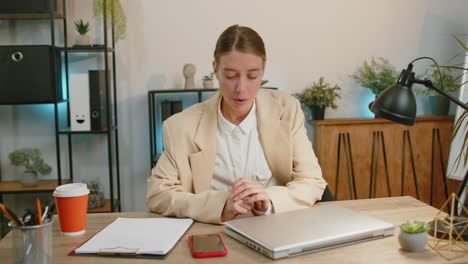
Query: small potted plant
(31,159)
(413,236)
(318,97)
(82,28)
(376,75)
(208,82)
(439,103)
(96,196)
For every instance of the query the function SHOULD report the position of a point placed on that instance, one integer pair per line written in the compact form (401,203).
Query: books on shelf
(169,108)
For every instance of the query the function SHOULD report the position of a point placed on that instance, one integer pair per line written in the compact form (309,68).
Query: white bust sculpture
(189,73)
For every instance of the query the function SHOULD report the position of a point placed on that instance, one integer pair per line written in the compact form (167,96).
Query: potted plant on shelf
(413,236)
(439,103)
(82,28)
(96,196)
(208,82)
(377,75)
(31,159)
(319,96)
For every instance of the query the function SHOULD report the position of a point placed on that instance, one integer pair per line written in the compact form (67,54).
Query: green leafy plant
(449,82)
(81,27)
(31,159)
(96,196)
(321,94)
(461,124)
(115,14)
(376,75)
(414,227)
(209,77)
(94,186)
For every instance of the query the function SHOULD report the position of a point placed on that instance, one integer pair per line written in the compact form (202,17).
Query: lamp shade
(396,103)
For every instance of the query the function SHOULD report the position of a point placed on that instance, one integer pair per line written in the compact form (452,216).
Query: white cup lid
(71,190)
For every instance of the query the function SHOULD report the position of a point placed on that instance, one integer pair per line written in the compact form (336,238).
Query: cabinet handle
(17,56)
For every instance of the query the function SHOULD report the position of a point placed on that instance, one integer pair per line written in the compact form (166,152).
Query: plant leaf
(460,42)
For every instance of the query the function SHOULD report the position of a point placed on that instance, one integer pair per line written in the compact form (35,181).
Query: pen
(50,213)
(44,214)
(10,215)
(38,211)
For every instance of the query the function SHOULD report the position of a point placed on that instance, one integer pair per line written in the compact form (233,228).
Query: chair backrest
(327,195)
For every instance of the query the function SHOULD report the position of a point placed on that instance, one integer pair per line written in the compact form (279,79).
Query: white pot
(208,84)
(30,179)
(82,40)
(412,242)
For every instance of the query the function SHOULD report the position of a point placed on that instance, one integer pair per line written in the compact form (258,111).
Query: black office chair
(327,196)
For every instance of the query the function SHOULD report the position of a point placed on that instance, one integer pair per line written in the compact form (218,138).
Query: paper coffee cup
(72,205)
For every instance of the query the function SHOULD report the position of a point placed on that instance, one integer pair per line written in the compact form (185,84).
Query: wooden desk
(395,210)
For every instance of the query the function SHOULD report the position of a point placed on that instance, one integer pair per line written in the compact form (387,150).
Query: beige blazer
(180,182)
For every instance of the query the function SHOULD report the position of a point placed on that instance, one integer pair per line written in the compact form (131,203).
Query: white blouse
(240,154)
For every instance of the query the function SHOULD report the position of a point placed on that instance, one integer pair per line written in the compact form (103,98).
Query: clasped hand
(245,195)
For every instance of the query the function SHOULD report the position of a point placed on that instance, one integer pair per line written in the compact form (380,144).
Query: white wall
(304,40)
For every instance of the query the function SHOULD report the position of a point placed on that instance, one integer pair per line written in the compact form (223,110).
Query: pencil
(38,211)
(10,215)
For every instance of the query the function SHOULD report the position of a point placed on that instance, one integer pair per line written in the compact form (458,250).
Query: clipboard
(135,238)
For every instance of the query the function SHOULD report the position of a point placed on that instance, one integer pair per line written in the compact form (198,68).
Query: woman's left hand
(251,192)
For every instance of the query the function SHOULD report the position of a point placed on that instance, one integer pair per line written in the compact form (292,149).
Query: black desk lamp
(398,104)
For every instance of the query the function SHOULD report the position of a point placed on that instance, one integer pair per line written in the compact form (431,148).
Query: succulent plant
(82,27)
(208,77)
(414,227)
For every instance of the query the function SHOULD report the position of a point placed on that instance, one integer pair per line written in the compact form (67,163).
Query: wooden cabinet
(361,132)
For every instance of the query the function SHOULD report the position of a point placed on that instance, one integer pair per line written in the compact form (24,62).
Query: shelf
(31,103)
(105,131)
(99,48)
(183,90)
(105,208)
(18,187)
(30,16)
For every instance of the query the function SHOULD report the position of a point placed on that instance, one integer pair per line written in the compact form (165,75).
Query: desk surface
(395,210)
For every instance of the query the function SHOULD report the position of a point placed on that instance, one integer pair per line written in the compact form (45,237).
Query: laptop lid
(307,230)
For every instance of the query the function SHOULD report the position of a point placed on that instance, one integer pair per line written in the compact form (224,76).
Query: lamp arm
(429,84)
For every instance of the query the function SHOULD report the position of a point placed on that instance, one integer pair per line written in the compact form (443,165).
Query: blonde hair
(243,39)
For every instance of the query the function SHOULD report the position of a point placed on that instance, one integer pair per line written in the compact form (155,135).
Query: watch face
(207,244)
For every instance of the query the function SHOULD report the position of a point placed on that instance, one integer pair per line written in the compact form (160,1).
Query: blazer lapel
(274,136)
(202,163)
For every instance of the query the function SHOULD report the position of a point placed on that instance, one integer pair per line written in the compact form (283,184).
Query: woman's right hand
(233,208)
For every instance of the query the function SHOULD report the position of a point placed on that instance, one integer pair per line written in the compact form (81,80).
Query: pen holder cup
(32,244)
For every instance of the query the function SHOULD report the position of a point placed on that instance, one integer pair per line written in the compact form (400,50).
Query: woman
(243,150)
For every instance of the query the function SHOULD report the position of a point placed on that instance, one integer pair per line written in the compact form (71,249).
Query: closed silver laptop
(308,230)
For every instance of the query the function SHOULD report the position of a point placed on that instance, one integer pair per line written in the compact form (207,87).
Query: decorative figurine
(189,73)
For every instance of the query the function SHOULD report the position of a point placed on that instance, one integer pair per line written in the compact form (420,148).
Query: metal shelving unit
(154,110)
(155,118)
(107,49)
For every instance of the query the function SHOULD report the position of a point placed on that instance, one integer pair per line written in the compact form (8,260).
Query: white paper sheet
(137,235)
